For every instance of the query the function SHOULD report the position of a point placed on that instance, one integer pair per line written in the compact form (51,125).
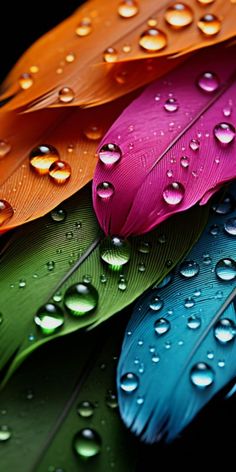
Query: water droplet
(224,132)
(103,279)
(93,132)
(109,154)
(129,382)
(161,326)
(202,375)
(6,211)
(225,206)
(144,247)
(227,110)
(205,2)
(122,285)
(42,157)
(87,443)
(156,304)
(194,322)
(230,226)
(208,81)
(189,269)
(207,259)
(111,400)
(60,172)
(167,344)
(173,194)
(126,48)
(70,57)
(153,40)
(214,230)
(224,330)
(155,359)
(179,15)
(84,27)
(171,105)
(128,8)
(226,269)
(49,318)
(34,69)
(22,283)
(5,433)
(80,299)
(85,409)
(189,302)
(152,22)
(105,190)
(66,95)
(141,267)
(194,144)
(169,173)
(69,235)
(110,55)
(184,162)
(87,279)
(5,148)
(29,394)
(50,265)
(221,363)
(57,297)
(209,24)
(25,81)
(58,214)
(115,251)
(197,292)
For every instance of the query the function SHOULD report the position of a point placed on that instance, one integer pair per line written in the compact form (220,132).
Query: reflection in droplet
(49,318)
(60,172)
(173,194)
(171,105)
(42,157)
(85,409)
(109,154)
(224,330)
(5,433)
(178,15)
(184,162)
(115,251)
(84,27)
(226,269)
(224,206)
(110,55)
(87,443)
(153,40)
(105,190)
(194,322)
(224,132)
(58,214)
(129,382)
(156,304)
(161,326)
(70,57)
(208,81)
(230,226)
(202,375)
(66,95)
(209,24)
(26,81)
(128,8)
(6,211)
(93,132)
(81,299)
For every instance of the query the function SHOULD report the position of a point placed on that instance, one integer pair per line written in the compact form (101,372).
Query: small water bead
(49,318)
(214,230)
(81,299)
(50,265)
(210,355)
(194,144)
(122,285)
(42,157)
(93,132)
(58,215)
(162,326)
(230,226)
(6,211)
(144,247)
(60,172)
(87,443)
(179,15)
(169,173)
(69,235)
(189,302)
(194,322)
(84,27)
(226,270)
(209,24)
(155,359)
(224,132)
(105,190)
(221,363)
(171,105)
(111,400)
(153,40)
(5,433)
(208,81)
(189,269)
(225,206)
(227,110)
(109,154)
(5,148)
(202,375)
(128,8)
(103,279)
(22,283)
(31,338)
(57,297)
(110,55)
(25,81)
(34,69)
(85,409)
(197,292)
(66,95)
(173,194)
(115,251)
(225,330)
(168,344)
(184,162)
(207,259)
(156,304)
(70,57)
(140,400)
(129,382)
(126,48)
(141,267)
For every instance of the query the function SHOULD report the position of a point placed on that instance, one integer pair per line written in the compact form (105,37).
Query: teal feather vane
(179,348)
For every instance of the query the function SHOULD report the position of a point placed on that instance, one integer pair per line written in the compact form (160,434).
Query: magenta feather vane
(172,147)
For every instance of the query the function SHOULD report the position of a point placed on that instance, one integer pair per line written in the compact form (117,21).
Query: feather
(41,260)
(174,152)
(182,333)
(75,49)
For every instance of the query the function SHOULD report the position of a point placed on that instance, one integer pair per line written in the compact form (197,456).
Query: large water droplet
(42,157)
(128,8)
(184,162)
(49,318)
(6,211)
(110,154)
(173,194)
(171,105)
(93,132)
(26,81)
(85,409)
(5,148)
(179,15)
(66,95)
(208,81)
(60,172)
(194,322)
(194,144)
(189,269)
(202,375)
(58,214)
(81,299)
(230,226)
(110,55)
(84,27)
(224,132)
(226,269)
(209,24)
(105,190)
(115,251)
(5,433)
(224,206)
(161,326)
(87,443)
(129,382)
(153,40)
(156,304)
(224,330)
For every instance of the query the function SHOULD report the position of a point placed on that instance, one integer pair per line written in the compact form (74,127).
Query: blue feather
(172,376)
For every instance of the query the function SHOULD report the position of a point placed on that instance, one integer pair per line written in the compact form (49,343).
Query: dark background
(211,437)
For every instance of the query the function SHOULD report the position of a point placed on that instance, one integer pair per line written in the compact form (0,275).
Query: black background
(211,437)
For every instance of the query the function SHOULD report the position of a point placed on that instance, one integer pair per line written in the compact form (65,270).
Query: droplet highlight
(161,326)
(171,105)
(115,251)
(230,226)
(60,172)
(109,154)
(189,269)
(224,330)
(85,409)
(5,148)
(105,190)
(153,40)
(179,15)
(129,382)
(42,157)
(209,24)
(173,194)
(224,132)
(194,322)
(128,8)
(110,55)
(84,28)
(226,269)
(208,82)
(49,318)
(202,375)
(25,81)
(87,443)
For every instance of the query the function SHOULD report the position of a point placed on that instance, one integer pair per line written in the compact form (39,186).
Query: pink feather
(154,142)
